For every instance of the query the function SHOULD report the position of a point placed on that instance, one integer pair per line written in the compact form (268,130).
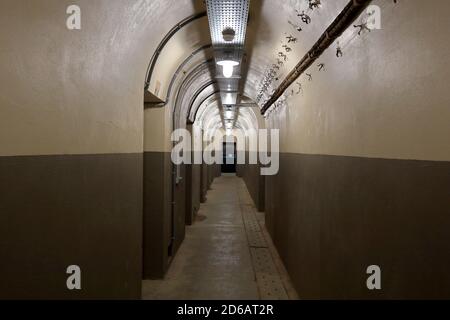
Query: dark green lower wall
(193,197)
(164,213)
(179,216)
(168,207)
(331,217)
(207,175)
(213,171)
(57,211)
(255,182)
(157,213)
(203,182)
(109,214)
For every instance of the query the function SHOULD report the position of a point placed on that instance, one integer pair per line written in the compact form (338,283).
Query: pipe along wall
(364,174)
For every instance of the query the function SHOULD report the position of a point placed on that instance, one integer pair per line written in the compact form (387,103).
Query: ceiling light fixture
(228,34)
(229,114)
(228,67)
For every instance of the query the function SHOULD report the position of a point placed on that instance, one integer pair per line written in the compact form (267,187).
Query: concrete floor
(215,260)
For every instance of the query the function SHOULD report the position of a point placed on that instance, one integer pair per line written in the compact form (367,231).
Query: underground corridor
(224,150)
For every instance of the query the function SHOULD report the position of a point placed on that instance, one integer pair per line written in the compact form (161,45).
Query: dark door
(178,208)
(229,157)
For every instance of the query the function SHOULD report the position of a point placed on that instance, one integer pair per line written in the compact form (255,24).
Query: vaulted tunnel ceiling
(270,24)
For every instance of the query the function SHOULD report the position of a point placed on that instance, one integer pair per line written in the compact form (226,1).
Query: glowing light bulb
(228,67)
(229,114)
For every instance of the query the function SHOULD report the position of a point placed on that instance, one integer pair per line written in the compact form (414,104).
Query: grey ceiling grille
(228,26)
(228,14)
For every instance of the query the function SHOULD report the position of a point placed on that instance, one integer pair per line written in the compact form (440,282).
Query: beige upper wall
(388,96)
(78,92)
(72,92)
(157,129)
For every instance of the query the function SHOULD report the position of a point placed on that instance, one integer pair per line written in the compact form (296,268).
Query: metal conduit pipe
(193,77)
(202,88)
(188,80)
(200,91)
(165,40)
(191,120)
(175,75)
(185,62)
(344,20)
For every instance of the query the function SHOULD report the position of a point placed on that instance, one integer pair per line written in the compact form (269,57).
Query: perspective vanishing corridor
(222,257)
(224,149)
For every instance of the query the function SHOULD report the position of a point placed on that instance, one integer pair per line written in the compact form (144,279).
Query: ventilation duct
(228,26)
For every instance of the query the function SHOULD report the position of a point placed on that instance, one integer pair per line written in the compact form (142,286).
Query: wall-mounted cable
(343,21)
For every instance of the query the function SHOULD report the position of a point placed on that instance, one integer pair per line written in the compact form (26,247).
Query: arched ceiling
(209,115)
(180,47)
(211,91)
(270,23)
(115,48)
(193,87)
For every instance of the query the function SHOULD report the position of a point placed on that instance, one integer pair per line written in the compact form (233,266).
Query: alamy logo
(74,280)
(374,17)
(374,280)
(210,150)
(74,20)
